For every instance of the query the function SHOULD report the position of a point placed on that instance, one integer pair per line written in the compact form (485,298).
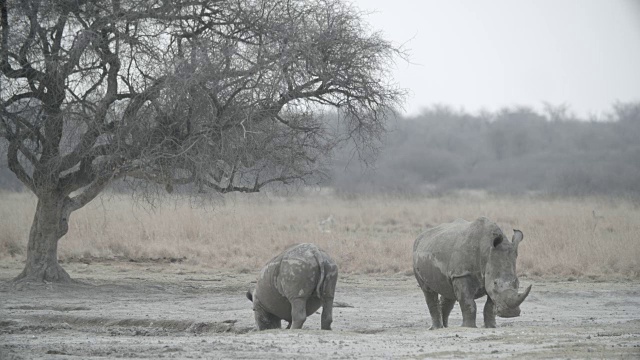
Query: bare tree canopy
(218,95)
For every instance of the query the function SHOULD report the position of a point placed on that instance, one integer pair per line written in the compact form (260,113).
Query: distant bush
(514,150)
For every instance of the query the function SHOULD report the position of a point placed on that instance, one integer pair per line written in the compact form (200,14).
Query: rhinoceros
(463,261)
(292,286)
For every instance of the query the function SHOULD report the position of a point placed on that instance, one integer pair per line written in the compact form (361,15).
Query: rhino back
(299,272)
(293,274)
(452,250)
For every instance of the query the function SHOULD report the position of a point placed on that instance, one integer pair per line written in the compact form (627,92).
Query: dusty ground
(168,310)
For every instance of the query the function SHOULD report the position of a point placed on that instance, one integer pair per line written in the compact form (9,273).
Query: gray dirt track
(156,310)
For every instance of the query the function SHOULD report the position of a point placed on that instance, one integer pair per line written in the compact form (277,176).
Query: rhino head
(264,319)
(501,281)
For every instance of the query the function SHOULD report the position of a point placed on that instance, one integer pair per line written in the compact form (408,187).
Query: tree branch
(16,167)
(91,191)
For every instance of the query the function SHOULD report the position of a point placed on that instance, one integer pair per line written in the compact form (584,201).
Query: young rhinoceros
(292,286)
(466,260)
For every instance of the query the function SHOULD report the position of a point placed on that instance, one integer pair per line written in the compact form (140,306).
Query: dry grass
(367,235)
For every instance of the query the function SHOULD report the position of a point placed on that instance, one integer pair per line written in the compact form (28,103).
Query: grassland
(594,237)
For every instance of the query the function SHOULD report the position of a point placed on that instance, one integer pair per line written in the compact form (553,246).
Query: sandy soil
(168,310)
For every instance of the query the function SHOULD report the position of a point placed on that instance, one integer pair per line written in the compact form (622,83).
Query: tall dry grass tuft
(563,237)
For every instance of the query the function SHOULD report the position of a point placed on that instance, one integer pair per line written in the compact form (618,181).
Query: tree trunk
(50,223)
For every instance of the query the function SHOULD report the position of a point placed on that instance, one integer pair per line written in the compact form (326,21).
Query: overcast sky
(489,54)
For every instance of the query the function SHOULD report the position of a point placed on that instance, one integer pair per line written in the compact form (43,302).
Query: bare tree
(208,94)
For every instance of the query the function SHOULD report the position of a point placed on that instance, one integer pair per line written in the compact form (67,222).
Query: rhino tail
(321,264)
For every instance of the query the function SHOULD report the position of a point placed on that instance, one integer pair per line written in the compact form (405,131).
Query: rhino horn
(514,299)
(517,237)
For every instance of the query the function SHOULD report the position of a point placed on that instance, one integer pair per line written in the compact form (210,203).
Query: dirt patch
(53,308)
(159,310)
(135,327)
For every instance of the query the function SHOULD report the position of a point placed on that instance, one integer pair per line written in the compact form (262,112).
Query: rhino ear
(249,295)
(497,241)
(517,237)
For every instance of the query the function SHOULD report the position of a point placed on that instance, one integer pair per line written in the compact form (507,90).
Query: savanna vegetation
(569,237)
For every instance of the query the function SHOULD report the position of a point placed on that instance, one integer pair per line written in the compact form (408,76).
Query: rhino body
(462,261)
(292,286)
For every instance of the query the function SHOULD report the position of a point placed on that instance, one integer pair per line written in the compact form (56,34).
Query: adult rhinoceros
(466,260)
(292,286)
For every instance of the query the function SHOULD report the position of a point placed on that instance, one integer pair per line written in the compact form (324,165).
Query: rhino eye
(497,241)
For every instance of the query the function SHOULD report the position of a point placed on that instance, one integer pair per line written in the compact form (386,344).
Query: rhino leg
(446,305)
(489,313)
(327,314)
(465,291)
(298,312)
(328,292)
(434,308)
